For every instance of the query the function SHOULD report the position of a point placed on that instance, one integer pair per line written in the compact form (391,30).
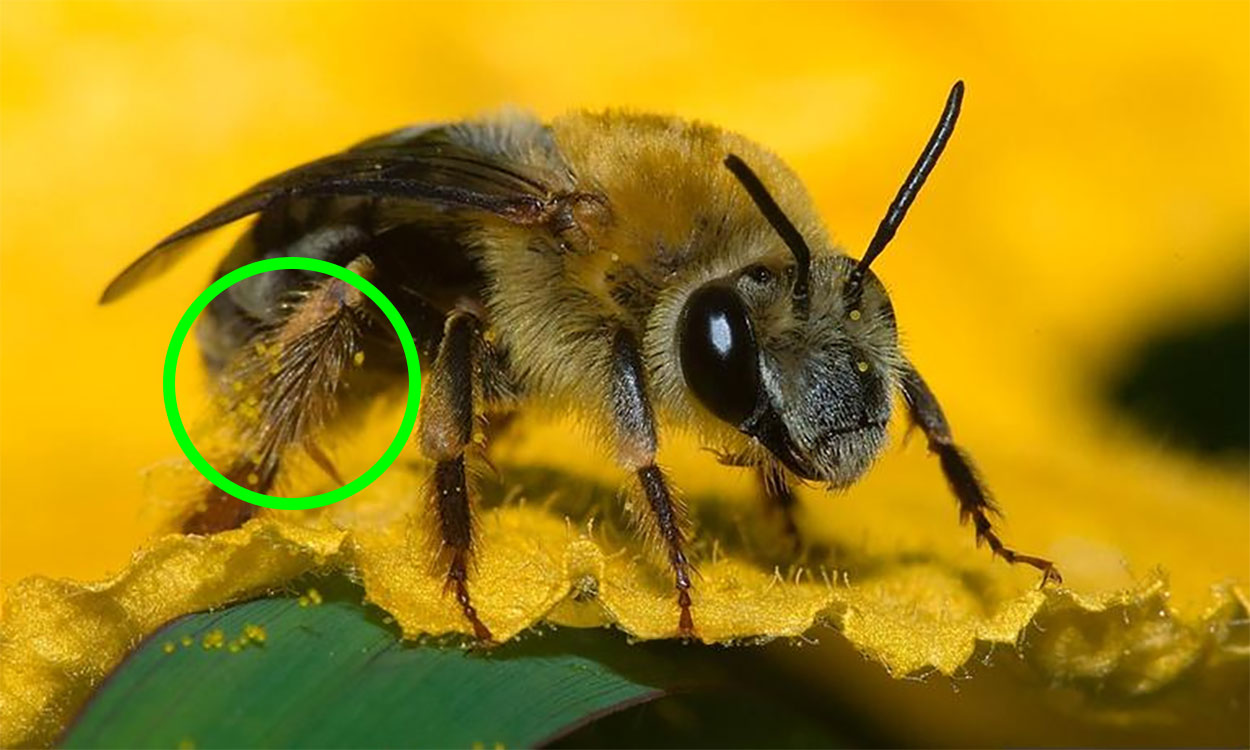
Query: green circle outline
(294,264)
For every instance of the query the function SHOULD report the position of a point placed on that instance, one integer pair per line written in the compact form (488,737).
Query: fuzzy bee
(632,269)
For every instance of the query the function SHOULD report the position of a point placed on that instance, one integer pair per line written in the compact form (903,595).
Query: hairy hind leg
(218,511)
(282,389)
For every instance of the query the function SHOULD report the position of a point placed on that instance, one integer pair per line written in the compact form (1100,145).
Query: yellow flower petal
(58,639)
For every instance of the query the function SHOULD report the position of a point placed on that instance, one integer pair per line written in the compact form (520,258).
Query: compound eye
(719,359)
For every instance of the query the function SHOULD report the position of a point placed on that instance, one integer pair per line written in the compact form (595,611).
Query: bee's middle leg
(447,415)
(636,445)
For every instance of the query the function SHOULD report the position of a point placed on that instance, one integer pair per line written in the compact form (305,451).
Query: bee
(632,269)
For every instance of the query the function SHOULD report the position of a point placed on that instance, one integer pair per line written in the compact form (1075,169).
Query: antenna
(784,227)
(907,193)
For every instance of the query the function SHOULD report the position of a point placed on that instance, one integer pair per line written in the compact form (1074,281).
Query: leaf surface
(334,674)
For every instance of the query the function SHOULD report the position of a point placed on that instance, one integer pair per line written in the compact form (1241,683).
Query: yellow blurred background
(1096,191)
(1096,188)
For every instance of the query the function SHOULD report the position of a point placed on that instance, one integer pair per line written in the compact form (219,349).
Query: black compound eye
(719,358)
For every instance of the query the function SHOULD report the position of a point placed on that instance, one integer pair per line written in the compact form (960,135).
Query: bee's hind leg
(219,511)
(282,389)
(636,444)
(975,502)
(447,415)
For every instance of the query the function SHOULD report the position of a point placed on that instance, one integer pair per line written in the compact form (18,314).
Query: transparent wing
(424,167)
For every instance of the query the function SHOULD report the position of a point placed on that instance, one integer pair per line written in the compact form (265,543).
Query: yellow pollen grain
(187,641)
(253,479)
(314,596)
(214,639)
(358,358)
(856,315)
(303,601)
(861,366)
(260,348)
(236,386)
(254,633)
(170,647)
(235,648)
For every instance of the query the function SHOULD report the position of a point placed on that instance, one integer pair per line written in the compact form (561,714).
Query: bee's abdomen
(258,303)
(421,266)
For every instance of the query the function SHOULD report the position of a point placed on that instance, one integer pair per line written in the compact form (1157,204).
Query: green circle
(295,264)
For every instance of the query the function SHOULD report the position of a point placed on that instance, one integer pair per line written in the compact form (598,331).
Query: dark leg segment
(668,522)
(975,502)
(221,511)
(456,527)
(636,447)
(446,428)
(779,496)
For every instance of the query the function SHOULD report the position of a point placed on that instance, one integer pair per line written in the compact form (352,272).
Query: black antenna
(906,194)
(782,224)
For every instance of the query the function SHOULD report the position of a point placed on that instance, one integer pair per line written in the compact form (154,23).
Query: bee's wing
(426,166)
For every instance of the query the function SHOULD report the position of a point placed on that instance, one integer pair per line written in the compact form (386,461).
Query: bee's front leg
(636,444)
(447,415)
(778,495)
(974,499)
(775,488)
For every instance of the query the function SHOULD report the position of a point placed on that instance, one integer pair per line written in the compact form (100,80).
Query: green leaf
(331,672)
(334,675)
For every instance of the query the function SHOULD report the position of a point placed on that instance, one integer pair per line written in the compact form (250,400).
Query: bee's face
(815,391)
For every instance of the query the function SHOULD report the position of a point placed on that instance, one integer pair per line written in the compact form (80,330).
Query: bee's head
(803,356)
(815,391)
